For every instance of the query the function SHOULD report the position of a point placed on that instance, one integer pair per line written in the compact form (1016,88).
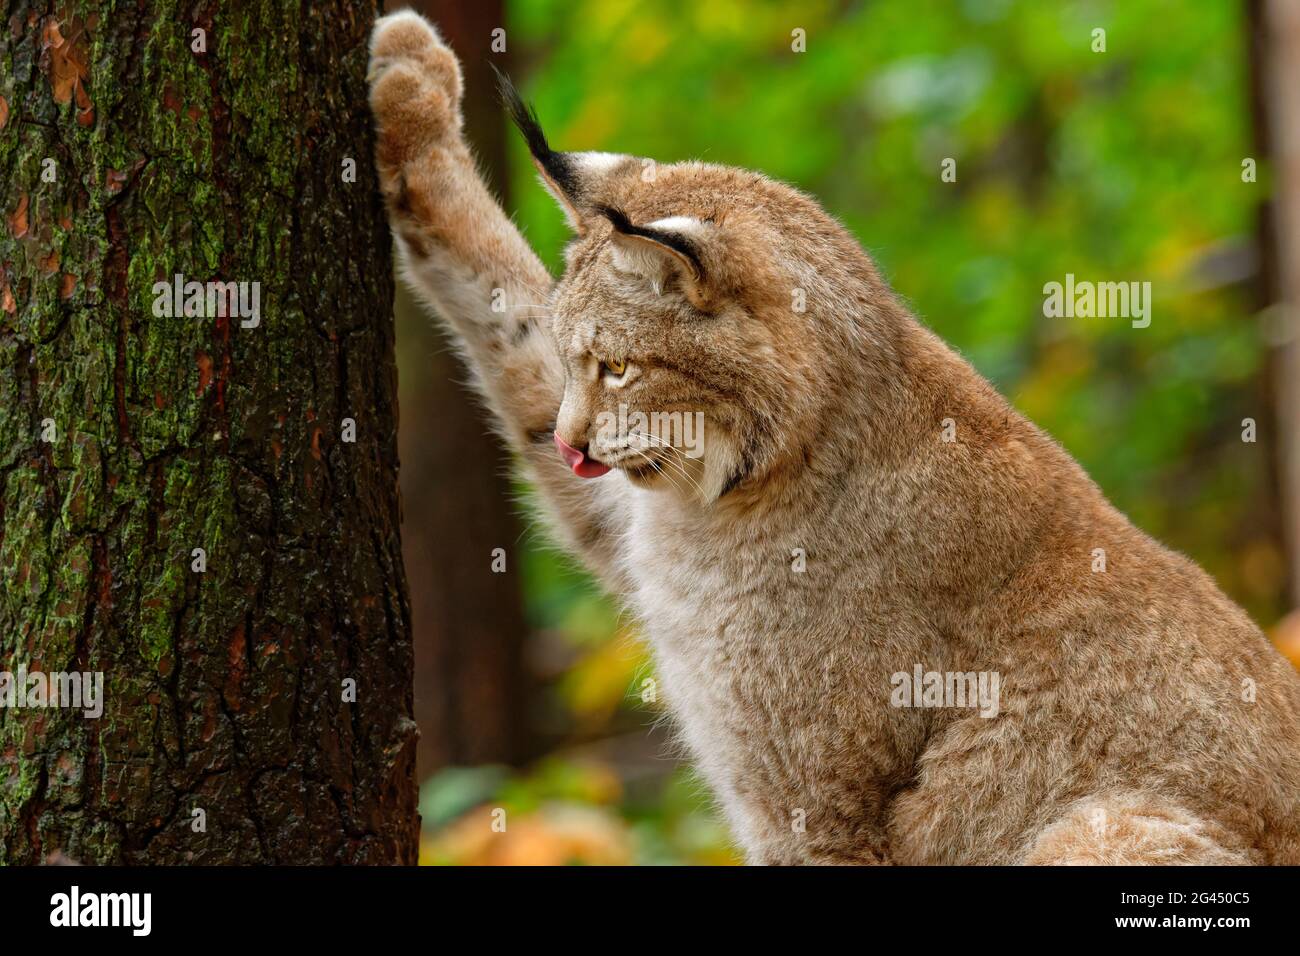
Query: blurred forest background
(1114,166)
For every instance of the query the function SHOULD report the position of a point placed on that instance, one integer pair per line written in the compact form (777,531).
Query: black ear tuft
(557,166)
(678,243)
(617,219)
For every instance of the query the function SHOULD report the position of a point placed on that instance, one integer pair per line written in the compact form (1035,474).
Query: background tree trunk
(223,689)
(473,690)
(1275,59)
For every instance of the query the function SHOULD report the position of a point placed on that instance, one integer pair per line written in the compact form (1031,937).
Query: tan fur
(1127,732)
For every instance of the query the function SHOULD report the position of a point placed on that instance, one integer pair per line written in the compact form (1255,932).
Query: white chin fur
(721,458)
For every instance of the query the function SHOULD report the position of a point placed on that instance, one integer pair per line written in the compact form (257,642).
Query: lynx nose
(577,460)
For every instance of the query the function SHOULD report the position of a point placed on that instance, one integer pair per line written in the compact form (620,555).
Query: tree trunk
(472,688)
(129,440)
(1275,47)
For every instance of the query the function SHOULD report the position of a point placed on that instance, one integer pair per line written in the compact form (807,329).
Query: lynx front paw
(415,88)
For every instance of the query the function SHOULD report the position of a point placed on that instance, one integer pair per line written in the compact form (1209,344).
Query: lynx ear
(662,248)
(579,181)
(572,178)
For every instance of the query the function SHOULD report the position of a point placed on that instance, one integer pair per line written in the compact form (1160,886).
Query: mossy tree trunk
(132,150)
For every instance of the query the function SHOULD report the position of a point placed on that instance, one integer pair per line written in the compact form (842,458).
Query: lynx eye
(615,367)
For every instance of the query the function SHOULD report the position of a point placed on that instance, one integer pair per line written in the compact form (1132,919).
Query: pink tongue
(582,466)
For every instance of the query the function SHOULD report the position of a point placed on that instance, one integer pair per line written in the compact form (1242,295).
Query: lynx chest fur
(775,666)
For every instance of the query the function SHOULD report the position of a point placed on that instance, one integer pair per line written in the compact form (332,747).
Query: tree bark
(227,733)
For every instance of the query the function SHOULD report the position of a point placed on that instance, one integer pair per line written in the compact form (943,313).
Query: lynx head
(707,319)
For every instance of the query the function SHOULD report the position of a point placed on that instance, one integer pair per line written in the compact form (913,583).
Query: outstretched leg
(466,259)
(1134,829)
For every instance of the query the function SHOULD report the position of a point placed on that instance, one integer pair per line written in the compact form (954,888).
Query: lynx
(835,531)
